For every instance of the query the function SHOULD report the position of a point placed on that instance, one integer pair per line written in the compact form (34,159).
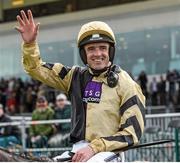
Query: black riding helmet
(93,32)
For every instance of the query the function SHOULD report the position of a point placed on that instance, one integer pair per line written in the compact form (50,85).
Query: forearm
(31,56)
(55,75)
(129,133)
(118,141)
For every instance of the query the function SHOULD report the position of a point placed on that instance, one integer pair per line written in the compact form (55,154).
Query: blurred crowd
(39,135)
(19,96)
(161,89)
(44,103)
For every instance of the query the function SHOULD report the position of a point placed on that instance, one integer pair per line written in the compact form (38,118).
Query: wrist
(28,44)
(92,149)
(98,145)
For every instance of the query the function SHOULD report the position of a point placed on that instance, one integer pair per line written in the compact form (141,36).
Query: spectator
(143,82)
(11,103)
(162,91)
(29,99)
(171,77)
(39,133)
(62,111)
(8,134)
(154,90)
(176,80)
(178,96)
(2,97)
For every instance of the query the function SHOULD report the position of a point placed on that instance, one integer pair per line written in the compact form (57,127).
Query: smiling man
(107,105)
(97,55)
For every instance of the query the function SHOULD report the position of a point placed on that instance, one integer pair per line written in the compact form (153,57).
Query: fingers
(83,159)
(74,157)
(24,17)
(78,157)
(20,21)
(30,16)
(23,20)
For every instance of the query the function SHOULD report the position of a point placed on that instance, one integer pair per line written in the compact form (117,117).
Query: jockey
(107,105)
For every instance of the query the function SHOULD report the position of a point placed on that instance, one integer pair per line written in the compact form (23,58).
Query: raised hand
(27,27)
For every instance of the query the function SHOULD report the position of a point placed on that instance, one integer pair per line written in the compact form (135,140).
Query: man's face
(41,104)
(97,55)
(60,103)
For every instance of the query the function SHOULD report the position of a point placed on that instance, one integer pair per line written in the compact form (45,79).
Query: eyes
(92,49)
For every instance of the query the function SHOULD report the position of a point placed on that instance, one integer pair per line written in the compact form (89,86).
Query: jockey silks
(108,118)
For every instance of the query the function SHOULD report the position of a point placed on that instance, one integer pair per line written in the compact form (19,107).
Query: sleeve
(55,75)
(49,129)
(132,118)
(51,114)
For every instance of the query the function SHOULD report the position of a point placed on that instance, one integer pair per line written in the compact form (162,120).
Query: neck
(98,72)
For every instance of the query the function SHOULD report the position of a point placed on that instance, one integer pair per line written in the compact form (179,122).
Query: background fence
(156,128)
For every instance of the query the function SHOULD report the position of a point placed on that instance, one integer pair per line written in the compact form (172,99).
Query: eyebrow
(92,46)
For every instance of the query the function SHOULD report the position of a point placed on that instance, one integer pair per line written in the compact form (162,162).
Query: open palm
(27,27)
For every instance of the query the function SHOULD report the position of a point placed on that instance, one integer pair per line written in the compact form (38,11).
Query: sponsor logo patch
(92,92)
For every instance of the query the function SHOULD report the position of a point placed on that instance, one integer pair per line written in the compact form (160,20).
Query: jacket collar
(102,77)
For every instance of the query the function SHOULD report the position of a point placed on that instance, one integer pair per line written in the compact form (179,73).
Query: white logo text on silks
(92,92)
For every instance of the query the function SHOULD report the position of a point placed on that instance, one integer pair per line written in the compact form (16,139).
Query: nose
(97,52)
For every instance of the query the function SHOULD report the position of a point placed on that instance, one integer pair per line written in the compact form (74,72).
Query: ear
(83,55)
(111,53)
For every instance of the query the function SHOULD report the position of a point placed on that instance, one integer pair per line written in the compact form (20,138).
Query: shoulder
(35,113)
(50,110)
(67,108)
(58,67)
(125,76)
(62,69)
(80,70)
(125,80)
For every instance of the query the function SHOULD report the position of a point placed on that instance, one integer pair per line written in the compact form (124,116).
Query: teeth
(98,59)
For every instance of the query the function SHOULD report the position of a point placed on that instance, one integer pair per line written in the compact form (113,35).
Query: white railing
(161,120)
(23,123)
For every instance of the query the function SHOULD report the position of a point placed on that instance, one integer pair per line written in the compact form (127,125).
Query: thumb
(37,27)
(18,29)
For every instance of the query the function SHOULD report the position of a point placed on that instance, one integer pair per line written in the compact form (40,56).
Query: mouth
(97,60)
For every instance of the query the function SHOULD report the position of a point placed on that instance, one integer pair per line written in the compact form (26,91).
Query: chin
(98,68)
